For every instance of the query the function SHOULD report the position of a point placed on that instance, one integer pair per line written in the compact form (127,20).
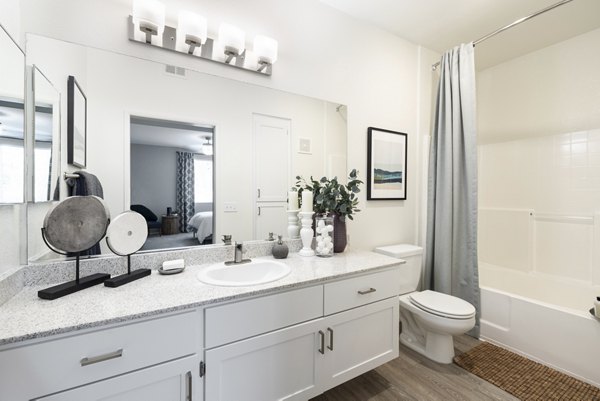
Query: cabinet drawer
(232,322)
(357,291)
(61,364)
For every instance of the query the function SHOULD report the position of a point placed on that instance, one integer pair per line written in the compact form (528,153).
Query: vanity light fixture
(191,32)
(147,25)
(149,21)
(265,49)
(233,40)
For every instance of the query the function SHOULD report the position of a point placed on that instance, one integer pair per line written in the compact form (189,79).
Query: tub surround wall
(539,170)
(539,199)
(553,90)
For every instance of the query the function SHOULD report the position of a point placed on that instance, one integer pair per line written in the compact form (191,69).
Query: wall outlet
(230,207)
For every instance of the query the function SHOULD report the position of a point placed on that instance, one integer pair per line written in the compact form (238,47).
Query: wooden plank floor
(413,377)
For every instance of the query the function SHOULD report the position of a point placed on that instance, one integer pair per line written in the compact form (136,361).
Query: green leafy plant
(331,196)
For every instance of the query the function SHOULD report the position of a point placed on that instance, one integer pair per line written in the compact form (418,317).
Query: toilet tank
(411,270)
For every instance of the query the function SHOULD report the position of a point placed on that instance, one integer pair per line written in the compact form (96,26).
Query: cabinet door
(171,381)
(282,365)
(360,339)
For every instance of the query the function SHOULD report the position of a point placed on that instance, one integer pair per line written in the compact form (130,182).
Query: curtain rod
(512,24)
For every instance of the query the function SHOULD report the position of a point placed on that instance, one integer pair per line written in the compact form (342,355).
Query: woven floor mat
(522,377)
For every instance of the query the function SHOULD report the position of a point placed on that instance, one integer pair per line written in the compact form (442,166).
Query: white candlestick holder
(293,228)
(306,233)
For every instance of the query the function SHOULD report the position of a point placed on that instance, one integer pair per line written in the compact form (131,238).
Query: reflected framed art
(76,124)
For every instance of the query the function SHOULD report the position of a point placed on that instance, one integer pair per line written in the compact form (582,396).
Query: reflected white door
(271,174)
(271,218)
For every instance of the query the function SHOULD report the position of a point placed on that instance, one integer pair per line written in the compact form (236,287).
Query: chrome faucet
(238,258)
(239,253)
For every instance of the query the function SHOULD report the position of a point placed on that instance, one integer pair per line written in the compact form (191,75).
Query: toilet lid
(442,304)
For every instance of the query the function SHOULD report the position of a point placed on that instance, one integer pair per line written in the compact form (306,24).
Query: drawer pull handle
(101,358)
(189,390)
(330,346)
(364,292)
(322,347)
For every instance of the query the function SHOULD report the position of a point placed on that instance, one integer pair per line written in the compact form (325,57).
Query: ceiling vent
(174,70)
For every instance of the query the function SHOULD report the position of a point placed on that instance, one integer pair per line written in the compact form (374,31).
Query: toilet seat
(442,305)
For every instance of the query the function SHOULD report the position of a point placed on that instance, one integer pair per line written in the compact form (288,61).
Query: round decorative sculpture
(76,224)
(127,233)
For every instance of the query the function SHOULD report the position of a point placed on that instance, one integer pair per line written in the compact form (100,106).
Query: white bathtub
(542,317)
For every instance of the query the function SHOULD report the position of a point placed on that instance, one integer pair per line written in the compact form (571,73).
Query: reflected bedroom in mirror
(172,181)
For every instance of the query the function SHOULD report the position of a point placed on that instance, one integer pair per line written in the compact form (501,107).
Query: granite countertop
(26,316)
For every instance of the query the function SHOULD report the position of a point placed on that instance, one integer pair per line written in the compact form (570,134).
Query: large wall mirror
(201,156)
(12,153)
(12,121)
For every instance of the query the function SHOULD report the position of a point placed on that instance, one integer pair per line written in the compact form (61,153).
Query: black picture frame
(76,124)
(386,164)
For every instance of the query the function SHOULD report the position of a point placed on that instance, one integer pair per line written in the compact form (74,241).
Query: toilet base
(430,335)
(438,347)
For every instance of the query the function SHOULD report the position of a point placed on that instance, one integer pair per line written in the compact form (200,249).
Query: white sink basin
(244,274)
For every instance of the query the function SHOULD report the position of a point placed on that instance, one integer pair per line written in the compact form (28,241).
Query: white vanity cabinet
(161,351)
(282,365)
(300,361)
(169,381)
(291,345)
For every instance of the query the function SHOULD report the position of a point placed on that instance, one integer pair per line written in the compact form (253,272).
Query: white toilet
(429,318)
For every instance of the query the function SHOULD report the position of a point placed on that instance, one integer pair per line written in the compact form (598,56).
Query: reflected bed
(201,225)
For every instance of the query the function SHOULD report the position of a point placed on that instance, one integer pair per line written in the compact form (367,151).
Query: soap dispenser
(280,250)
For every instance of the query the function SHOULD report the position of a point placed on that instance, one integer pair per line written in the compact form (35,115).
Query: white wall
(539,164)
(153,175)
(10,18)
(323,54)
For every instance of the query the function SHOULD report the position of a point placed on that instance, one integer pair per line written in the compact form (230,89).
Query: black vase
(340,239)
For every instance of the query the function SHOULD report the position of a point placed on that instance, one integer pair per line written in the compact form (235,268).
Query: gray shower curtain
(185,189)
(451,247)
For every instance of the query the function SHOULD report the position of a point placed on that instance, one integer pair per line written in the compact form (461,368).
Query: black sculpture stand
(128,277)
(73,286)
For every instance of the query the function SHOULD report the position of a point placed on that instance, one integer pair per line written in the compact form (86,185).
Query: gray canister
(280,250)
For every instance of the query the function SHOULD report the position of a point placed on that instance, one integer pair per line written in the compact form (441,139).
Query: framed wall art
(386,164)
(76,124)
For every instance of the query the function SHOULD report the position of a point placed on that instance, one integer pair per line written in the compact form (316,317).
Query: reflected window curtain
(451,248)
(185,189)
